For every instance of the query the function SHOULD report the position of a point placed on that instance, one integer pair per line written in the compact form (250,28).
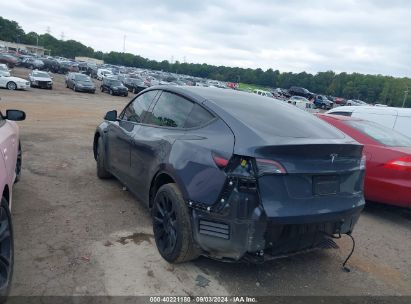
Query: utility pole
(405,97)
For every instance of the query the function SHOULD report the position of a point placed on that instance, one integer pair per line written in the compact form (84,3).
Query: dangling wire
(346,269)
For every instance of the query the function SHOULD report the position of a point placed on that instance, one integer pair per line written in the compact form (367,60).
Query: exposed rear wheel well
(6,194)
(158,181)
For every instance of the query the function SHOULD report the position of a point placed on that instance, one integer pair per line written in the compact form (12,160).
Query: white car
(398,119)
(13,83)
(263,93)
(101,73)
(40,79)
(303,104)
(356,102)
(4,71)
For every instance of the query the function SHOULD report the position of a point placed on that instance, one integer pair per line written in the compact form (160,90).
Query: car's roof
(256,119)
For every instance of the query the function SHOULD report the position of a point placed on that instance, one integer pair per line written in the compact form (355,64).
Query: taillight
(219,160)
(401,164)
(268,166)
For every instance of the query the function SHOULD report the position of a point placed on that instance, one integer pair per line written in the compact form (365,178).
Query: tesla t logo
(333,157)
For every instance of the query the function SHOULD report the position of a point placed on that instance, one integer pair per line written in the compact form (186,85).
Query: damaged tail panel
(282,200)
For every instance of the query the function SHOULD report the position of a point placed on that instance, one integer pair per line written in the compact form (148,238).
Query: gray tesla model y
(232,175)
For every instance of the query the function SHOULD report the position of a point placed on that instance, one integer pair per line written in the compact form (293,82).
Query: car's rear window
(384,135)
(275,117)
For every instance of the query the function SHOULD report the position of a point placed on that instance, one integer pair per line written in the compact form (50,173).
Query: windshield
(115,82)
(384,135)
(82,77)
(41,74)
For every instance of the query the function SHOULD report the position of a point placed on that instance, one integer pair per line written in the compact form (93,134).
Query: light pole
(405,97)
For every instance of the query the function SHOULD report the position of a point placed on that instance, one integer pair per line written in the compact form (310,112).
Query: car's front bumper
(23,86)
(86,89)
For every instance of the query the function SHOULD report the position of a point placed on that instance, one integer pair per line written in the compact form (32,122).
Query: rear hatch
(303,180)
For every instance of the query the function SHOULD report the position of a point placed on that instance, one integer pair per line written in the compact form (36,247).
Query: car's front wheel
(6,249)
(101,155)
(172,225)
(11,85)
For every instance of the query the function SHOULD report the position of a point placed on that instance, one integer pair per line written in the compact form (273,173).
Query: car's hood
(41,78)
(85,83)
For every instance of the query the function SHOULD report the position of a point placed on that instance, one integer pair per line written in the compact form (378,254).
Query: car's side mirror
(111,115)
(15,115)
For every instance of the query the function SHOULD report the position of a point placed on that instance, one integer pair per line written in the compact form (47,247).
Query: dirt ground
(78,235)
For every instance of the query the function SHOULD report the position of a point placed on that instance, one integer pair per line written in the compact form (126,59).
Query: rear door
(151,144)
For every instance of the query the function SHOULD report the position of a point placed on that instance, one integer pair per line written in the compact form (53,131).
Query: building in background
(23,48)
(90,60)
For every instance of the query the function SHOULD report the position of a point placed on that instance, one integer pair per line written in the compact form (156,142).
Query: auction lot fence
(208,299)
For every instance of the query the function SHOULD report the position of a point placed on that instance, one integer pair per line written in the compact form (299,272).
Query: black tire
(111,92)
(135,91)
(67,86)
(125,95)
(74,88)
(11,85)
(18,164)
(101,89)
(6,250)
(101,167)
(172,226)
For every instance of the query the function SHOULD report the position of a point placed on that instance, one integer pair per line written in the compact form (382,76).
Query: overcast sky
(353,36)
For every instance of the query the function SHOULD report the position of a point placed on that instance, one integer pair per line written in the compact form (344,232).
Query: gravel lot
(78,235)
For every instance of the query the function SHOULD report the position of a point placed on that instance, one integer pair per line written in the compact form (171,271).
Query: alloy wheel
(11,86)
(165,224)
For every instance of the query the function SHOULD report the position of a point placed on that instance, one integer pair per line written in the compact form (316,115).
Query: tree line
(370,88)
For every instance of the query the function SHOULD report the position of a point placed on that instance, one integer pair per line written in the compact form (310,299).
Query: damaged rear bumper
(241,227)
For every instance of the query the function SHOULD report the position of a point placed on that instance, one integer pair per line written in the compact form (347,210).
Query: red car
(388,153)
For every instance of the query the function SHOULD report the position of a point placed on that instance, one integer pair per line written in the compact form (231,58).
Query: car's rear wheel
(101,167)
(11,85)
(172,225)
(18,164)
(6,250)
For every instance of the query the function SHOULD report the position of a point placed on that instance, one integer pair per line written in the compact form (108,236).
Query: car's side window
(135,111)
(198,117)
(171,110)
